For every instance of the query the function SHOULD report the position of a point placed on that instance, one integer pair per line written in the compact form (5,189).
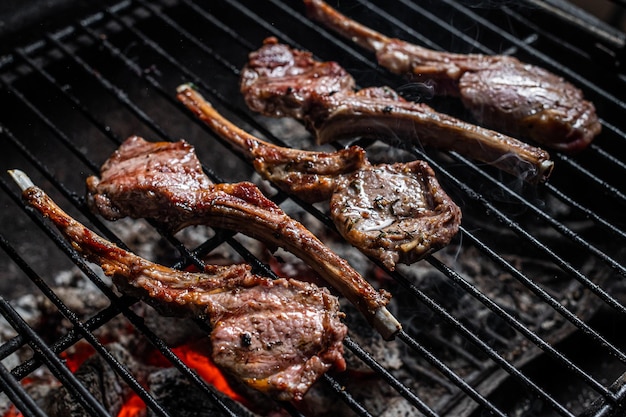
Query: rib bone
(394,213)
(500,91)
(280,81)
(164,181)
(247,312)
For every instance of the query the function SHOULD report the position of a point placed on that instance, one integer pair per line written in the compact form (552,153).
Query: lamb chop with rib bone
(164,181)
(501,91)
(280,81)
(394,213)
(247,313)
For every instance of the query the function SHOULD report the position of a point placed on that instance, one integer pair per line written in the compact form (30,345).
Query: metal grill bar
(116,53)
(121,96)
(510,223)
(155,84)
(570,234)
(609,189)
(17,394)
(56,365)
(475,395)
(565,70)
(61,42)
(86,333)
(85,330)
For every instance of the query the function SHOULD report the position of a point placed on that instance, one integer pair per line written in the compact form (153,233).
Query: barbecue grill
(521,315)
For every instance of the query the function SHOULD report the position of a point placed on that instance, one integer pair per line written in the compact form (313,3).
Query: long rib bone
(280,81)
(164,181)
(308,174)
(501,92)
(394,213)
(300,320)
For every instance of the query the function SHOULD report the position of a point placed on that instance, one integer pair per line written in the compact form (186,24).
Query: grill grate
(73,95)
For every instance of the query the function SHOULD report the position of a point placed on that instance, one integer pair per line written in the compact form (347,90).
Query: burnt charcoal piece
(164,181)
(101,381)
(293,329)
(500,91)
(175,392)
(394,213)
(279,81)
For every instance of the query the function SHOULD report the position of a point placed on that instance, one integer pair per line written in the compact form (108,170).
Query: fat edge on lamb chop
(501,92)
(280,81)
(164,181)
(300,321)
(393,213)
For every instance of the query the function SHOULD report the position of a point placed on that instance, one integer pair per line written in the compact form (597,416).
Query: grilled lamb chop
(394,213)
(164,181)
(501,92)
(280,81)
(278,336)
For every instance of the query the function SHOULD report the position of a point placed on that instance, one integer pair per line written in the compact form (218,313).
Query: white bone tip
(22,180)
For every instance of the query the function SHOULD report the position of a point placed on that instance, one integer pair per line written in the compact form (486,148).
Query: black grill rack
(71,97)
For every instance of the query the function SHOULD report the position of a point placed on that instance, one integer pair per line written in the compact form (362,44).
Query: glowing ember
(132,407)
(12,412)
(204,366)
(79,354)
(195,357)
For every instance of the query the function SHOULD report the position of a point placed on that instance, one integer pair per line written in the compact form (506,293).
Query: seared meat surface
(501,91)
(164,181)
(280,81)
(394,213)
(278,336)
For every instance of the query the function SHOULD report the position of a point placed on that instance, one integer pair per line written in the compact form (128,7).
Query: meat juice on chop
(164,181)
(278,336)
(280,81)
(394,213)
(501,91)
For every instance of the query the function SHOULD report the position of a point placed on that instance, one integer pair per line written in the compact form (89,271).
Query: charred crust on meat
(245,340)
(185,196)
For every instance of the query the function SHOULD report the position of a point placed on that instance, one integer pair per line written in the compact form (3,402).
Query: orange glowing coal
(79,354)
(194,356)
(132,407)
(201,362)
(12,412)
(197,358)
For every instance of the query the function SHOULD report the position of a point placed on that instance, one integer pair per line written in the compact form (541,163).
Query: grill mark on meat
(393,213)
(164,181)
(501,91)
(322,95)
(293,330)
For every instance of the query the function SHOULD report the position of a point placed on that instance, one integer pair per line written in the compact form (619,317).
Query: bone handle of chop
(381,319)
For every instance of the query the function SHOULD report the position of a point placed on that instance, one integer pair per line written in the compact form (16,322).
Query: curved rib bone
(280,81)
(247,312)
(164,181)
(308,174)
(500,91)
(394,213)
